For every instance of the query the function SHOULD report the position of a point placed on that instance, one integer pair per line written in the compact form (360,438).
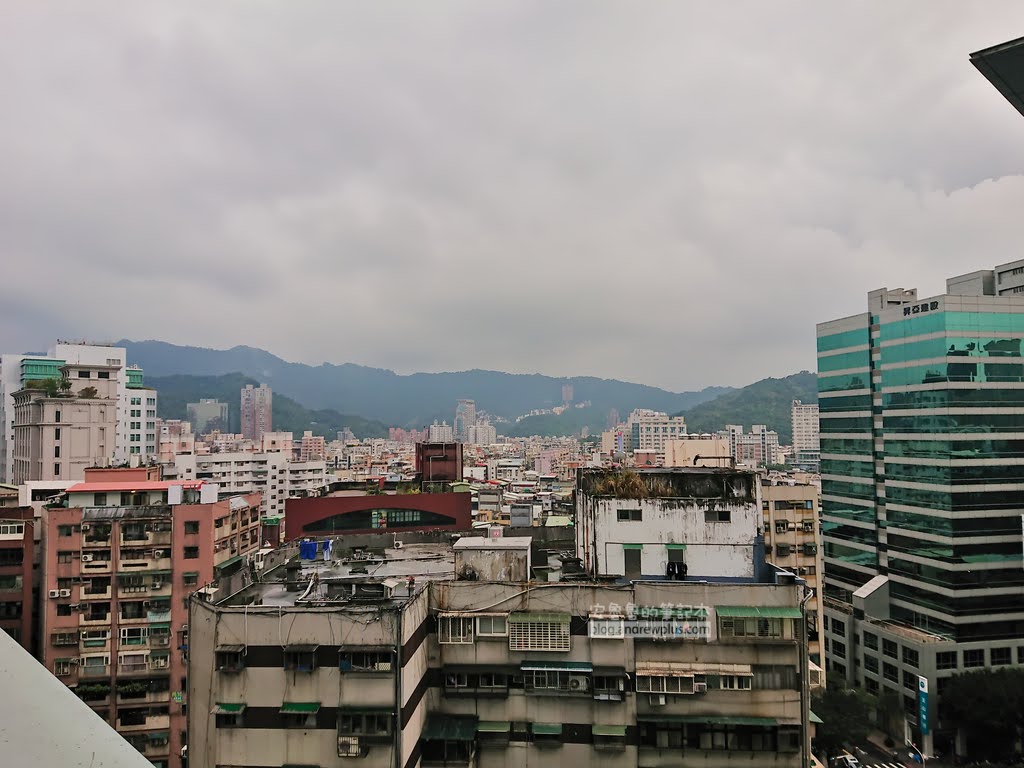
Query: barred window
(455,630)
(538,632)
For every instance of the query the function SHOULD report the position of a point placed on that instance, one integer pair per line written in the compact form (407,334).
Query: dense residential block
(121,553)
(16,562)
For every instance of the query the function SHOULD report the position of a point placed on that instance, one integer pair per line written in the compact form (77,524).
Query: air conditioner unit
(157,585)
(146,603)
(579,683)
(75,661)
(700,687)
(86,527)
(65,593)
(158,663)
(54,593)
(86,558)
(657,700)
(349,746)
(159,553)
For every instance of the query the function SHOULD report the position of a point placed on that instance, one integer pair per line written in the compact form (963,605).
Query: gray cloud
(665,193)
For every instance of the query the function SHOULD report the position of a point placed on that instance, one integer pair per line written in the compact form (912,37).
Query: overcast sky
(671,193)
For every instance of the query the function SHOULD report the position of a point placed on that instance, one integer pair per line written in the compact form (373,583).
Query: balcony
(133,668)
(94,620)
(91,566)
(94,593)
(94,671)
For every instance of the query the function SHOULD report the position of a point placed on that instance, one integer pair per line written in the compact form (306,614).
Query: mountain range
(328,397)
(411,401)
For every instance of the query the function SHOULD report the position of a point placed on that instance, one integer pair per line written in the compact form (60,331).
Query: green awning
(159,572)
(300,708)
(164,735)
(815,718)
(546,729)
(675,546)
(448,728)
(632,546)
(221,708)
(159,625)
(755,612)
(493,726)
(609,730)
(712,719)
(530,618)
(557,666)
(226,563)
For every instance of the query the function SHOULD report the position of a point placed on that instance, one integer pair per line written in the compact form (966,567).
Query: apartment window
(538,632)
(783,550)
(735,682)
(671,684)
(64,638)
(191,526)
(455,630)
(729,626)
(300,658)
(910,657)
(230,715)
(191,553)
(871,664)
(365,723)
(190,579)
(492,626)
(889,648)
(366,661)
(136,401)
(102,374)
(299,715)
(56,451)
(627,515)
(974,658)
(84,374)
(64,556)
(809,549)
(62,667)
(65,530)
(871,641)
(100,499)
(230,660)
(717,516)
(1000,657)
(945,660)
(775,677)
(56,469)
(56,415)
(838,649)
(871,686)
(609,687)
(63,609)
(889,672)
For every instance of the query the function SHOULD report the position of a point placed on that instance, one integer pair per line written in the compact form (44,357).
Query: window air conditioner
(54,593)
(65,593)
(349,746)
(700,687)
(86,527)
(579,683)
(86,558)
(657,700)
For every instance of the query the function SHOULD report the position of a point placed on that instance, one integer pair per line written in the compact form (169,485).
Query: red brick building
(16,548)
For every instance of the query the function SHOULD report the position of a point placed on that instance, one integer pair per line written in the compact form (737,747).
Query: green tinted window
(844,360)
(915,325)
(853,424)
(855,338)
(953,475)
(845,403)
(848,467)
(952,398)
(846,445)
(956,501)
(850,533)
(850,555)
(864,491)
(848,510)
(954,449)
(843,382)
(963,422)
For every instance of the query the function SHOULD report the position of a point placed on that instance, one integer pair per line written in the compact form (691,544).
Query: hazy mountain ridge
(404,400)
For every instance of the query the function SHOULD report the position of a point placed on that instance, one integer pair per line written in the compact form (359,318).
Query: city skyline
(811,173)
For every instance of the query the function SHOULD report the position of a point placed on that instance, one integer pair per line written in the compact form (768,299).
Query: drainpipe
(805,684)
(398,688)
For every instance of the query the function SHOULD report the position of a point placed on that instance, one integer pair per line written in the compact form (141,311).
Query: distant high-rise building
(312,448)
(806,442)
(481,434)
(465,417)
(257,411)
(652,429)
(567,395)
(207,415)
(613,419)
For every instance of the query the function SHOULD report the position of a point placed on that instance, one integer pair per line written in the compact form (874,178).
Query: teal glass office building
(922,454)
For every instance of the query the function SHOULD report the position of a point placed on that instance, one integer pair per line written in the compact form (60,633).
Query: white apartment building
(135,430)
(274,475)
(440,433)
(481,434)
(652,429)
(758,447)
(805,427)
